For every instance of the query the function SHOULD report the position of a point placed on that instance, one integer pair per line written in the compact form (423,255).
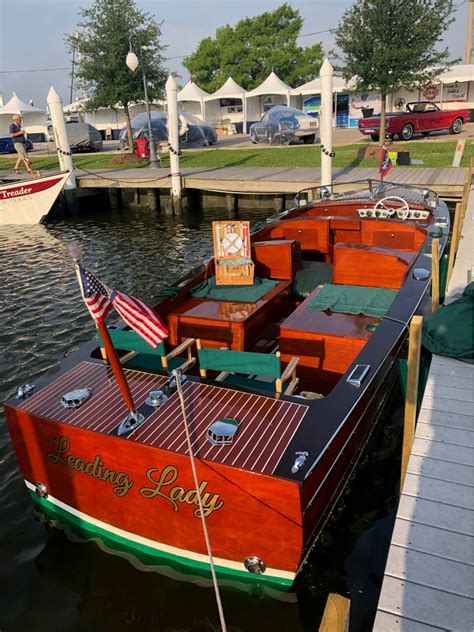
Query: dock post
(173,144)
(434,275)
(414,354)
(336,614)
(63,148)
(325,118)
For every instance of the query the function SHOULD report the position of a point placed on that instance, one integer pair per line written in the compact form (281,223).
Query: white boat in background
(29,201)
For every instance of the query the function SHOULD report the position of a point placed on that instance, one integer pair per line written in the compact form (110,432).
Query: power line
(15,72)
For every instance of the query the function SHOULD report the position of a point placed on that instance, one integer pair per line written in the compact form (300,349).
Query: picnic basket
(232,253)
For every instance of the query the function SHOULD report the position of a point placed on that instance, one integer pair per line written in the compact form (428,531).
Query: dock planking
(447,182)
(429,576)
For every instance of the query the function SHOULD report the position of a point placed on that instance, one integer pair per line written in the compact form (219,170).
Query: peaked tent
(34,119)
(214,109)
(271,86)
(192,94)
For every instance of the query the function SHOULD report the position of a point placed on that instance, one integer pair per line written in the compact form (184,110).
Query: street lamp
(133,62)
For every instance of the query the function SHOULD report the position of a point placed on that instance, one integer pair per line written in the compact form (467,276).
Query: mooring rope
(177,376)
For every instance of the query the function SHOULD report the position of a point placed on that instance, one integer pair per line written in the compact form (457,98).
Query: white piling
(325,122)
(55,106)
(173,139)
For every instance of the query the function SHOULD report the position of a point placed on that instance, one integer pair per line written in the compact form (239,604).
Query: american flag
(140,318)
(96,295)
(385,163)
(100,299)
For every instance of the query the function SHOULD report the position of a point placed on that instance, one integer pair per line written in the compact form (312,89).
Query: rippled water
(49,581)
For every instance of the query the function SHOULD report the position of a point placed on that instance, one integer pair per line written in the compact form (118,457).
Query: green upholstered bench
(307,279)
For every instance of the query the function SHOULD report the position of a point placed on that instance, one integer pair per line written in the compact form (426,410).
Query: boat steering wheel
(402,212)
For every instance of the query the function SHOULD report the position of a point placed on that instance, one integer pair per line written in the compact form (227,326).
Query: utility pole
(72,73)
(469,30)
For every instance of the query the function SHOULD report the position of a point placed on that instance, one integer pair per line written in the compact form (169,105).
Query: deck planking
(267,424)
(269,180)
(429,576)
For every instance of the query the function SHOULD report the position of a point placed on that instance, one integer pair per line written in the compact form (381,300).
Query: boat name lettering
(95,468)
(16,192)
(210,502)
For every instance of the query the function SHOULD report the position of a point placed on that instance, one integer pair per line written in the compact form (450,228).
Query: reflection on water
(50,582)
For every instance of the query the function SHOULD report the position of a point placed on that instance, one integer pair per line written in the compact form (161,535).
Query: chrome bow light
(41,490)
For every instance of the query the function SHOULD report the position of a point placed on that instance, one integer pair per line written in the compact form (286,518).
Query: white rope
(177,376)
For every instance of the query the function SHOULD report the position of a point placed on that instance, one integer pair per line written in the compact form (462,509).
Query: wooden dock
(429,577)
(448,183)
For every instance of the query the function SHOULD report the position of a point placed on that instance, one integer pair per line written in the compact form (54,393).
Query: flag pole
(110,351)
(116,366)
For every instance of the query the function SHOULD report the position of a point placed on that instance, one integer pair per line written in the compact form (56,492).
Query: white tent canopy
(218,112)
(230,90)
(34,119)
(17,106)
(461,73)
(193,95)
(272,85)
(314,86)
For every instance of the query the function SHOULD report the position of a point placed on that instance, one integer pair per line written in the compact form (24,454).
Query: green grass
(433,154)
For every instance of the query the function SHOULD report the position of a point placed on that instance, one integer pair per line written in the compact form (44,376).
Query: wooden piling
(454,240)
(336,614)
(413,371)
(434,275)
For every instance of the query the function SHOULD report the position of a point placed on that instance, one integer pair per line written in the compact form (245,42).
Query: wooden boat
(29,201)
(281,393)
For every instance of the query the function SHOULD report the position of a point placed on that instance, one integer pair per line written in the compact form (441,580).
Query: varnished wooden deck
(429,577)
(267,425)
(447,182)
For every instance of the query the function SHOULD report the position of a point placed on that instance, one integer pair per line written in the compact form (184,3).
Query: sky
(33,55)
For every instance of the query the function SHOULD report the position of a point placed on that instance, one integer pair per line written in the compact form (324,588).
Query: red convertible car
(420,117)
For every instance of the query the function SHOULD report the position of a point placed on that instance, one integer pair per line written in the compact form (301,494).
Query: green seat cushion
(247,382)
(235,293)
(353,299)
(245,362)
(450,330)
(131,341)
(307,280)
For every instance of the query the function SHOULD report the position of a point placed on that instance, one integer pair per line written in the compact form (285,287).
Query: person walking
(17,134)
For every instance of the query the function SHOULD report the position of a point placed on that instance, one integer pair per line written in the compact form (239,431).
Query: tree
(252,48)
(102,41)
(391,44)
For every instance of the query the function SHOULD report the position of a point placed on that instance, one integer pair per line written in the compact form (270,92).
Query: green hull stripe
(147,554)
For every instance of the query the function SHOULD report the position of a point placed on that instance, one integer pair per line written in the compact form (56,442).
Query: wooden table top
(328,323)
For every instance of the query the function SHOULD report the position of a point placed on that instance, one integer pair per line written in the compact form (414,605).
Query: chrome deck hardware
(24,390)
(222,431)
(420,274)
(75,398)
(255,565)
(299,461)
(156,399)
(132,422)
(41,490)
(171,385)
(358,373)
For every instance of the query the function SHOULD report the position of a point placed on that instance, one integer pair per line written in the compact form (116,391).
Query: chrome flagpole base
(132,422)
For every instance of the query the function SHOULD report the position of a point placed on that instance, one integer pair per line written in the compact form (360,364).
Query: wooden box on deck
(278,259)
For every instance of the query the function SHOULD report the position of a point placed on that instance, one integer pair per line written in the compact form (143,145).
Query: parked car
(6,145)
(282,124)
(83,137)
(191,131)
(420,117)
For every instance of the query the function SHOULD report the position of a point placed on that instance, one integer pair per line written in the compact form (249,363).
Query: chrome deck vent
(421,274)
(74,399)
(222,431)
